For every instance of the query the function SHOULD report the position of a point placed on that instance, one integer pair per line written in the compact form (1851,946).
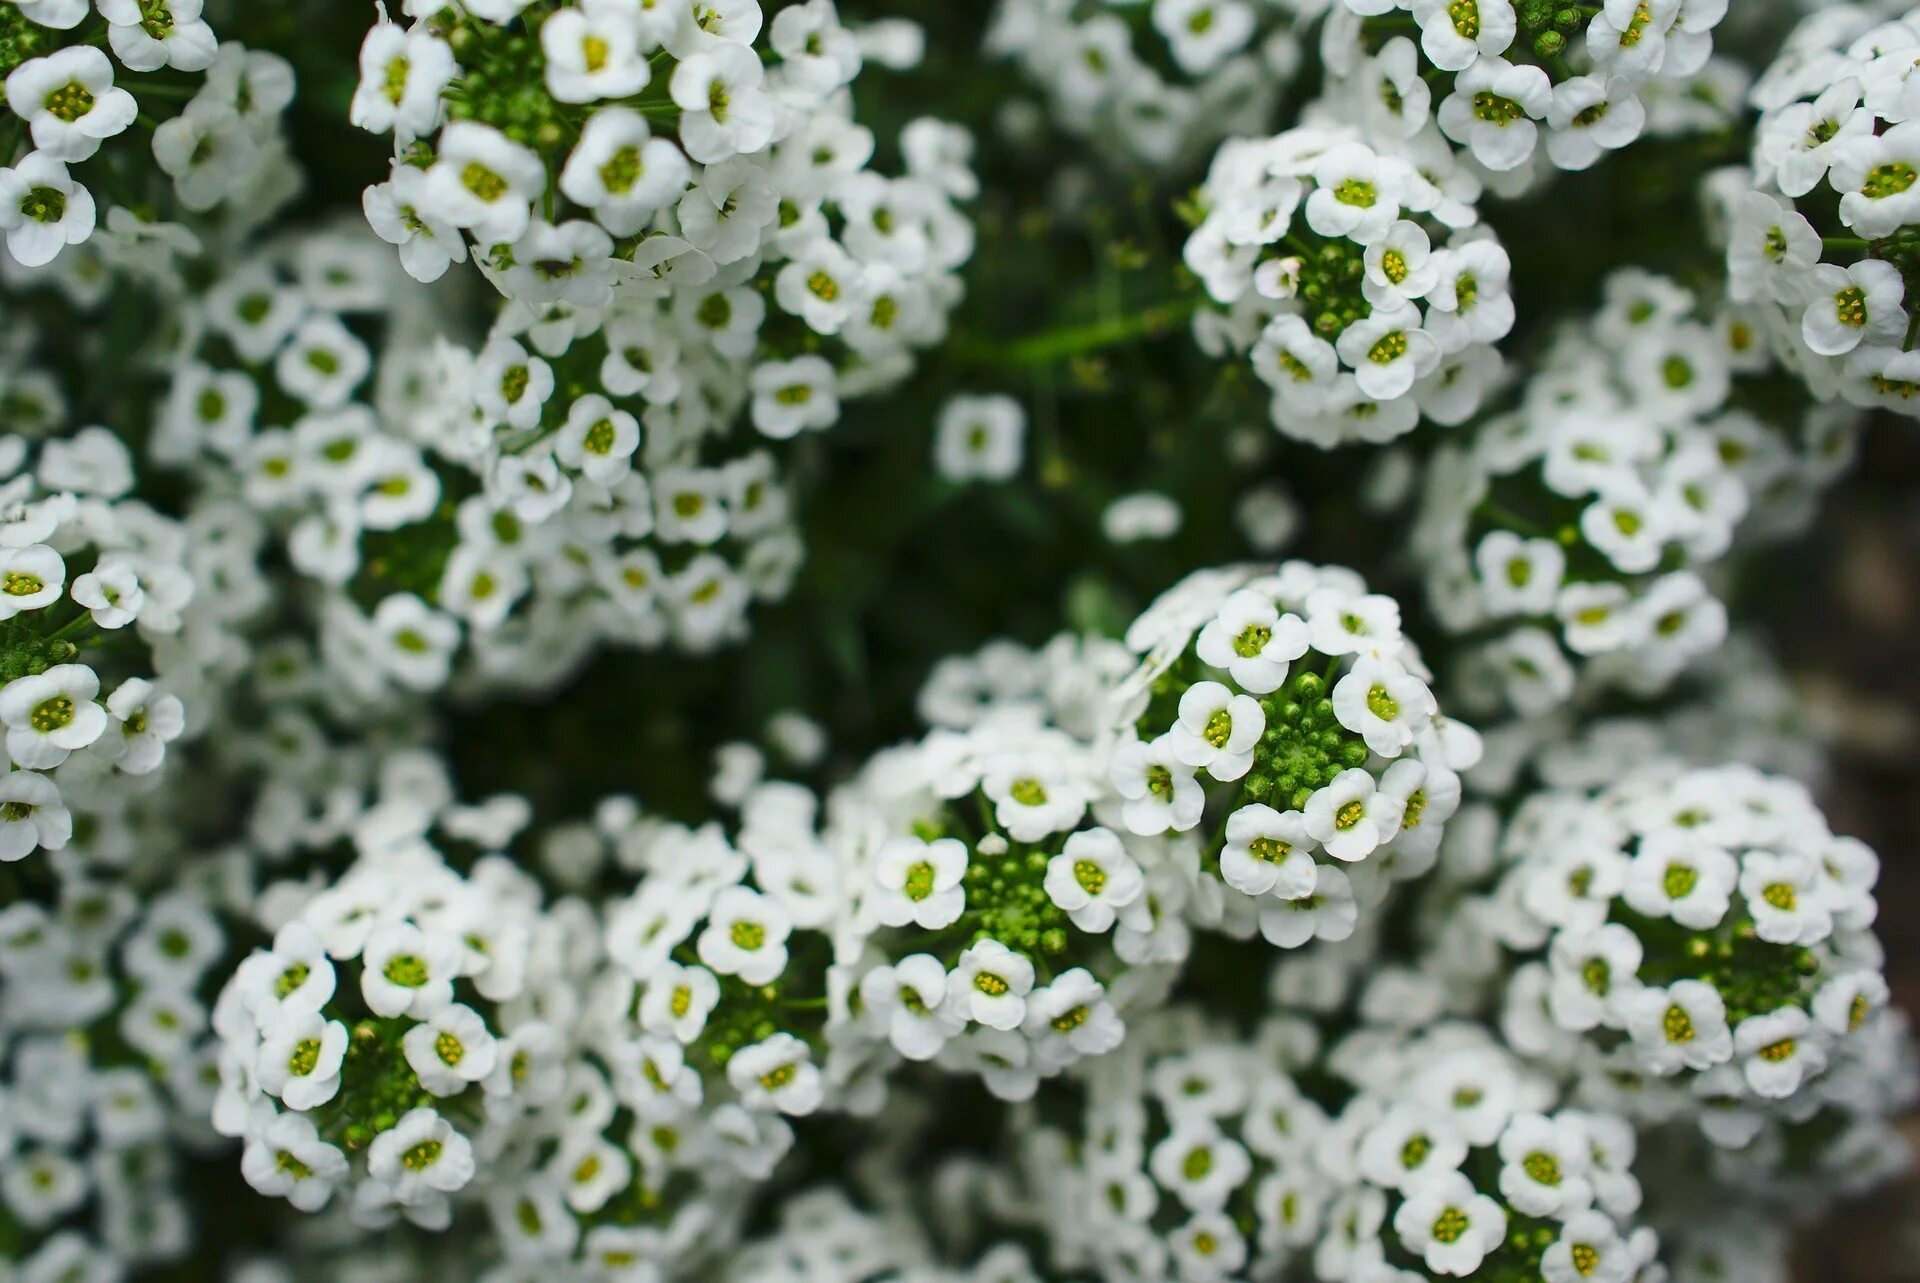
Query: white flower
(1591,970)
(1384,704)
(593,51)
(910,1002)
(51,714)
(69,101)
(724,112)
(484,181)
(1357,193)
(1544,1164)
(1096,881)
(398,211)
(621,172)
(1518,576)
(402,74)
(1683,1026)
(1853,305)
(42,209)
(1591,117)
(1328,913)
(979,438)
(419,1156)
(1675,875)
(300,1056)
(31,578)
(1198,1164)
(1268,851)
(1032,796)
(1348,819)
(1493,108)
(746,936)
(31,816)
(1158,786)
(450,1050)
(1785,895)
(407,971)
(678,1001)
(1217,730)
(1450,1225)
(1779,1051)
(1201,34)
(144,723)
(1071,1018)
(1878,174)
(790,396)
(777,1073)
(990,984)
(1301,367)
(1771,249)
(286,1158)
(1454,36)
(146,35)
(918,882)
(1589,1250)
(1252,641)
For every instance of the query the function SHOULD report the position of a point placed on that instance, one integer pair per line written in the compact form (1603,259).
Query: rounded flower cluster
(650,175)
(1156,82)
(1825,238)
(1519,85)
(385,1042)
(78,74)
(1705,948)
(1391,1155)
(100,626)
(995,926)
(1568,535)
(1282,714)
(1354,280)
(106,1072)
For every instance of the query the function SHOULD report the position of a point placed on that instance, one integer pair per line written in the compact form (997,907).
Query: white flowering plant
(1043,641)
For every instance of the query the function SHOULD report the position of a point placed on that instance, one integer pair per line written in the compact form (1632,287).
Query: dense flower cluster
(1352,276)
(1825,238)
(1571,530)
(645,640)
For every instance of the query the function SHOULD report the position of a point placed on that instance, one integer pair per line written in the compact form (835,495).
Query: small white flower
(42,209)
(724,111)
(1096,881)
(300,1056)
(990,984)
(592,52)
(1268,851)
(910,1002)
(1328,913)
(746,936)
(1253,642)
(1450,1225)
(1779,1051)
(1853,305)
(1158,787)
(144,723)
(286,1158)
(777,1074)
(1493,108)
(51,714)
(1384,704)
(407,971)
(1348,819)
(979,438)
(1217,730)
(450,1050)
(69,101)
(419,1156)
(1683,1026)
(31,816)
(918,882)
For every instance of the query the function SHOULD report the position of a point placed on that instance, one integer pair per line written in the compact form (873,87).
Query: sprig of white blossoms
(1523,87)
(390,1036)
(1704,951)
(1352,277)
(1824,234)
(1154,83)
(107,1067)
(1282,713)
(644,172)
(216,143)
(1569,535)
(1391,1153)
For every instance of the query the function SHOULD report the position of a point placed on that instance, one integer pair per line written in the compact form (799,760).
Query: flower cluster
(1354,279)
(1286,712)
(216,147)
(1155,82)
(1568,535)
(1705,937)
(108,1065)
(1825,234)
(1522,86)
(1405,1153)
(388,1036)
